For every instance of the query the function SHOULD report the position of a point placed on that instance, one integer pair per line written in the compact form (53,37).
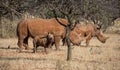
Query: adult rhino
(86,32)
(34,27)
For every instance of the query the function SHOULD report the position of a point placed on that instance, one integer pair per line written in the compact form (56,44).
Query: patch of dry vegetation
(97,56)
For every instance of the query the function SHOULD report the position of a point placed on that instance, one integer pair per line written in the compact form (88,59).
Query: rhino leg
(88,41)
(35,47)
(20,44)
(45,48)
(34,50)
(57,42)
(26,43)
(64,42)
(50,45)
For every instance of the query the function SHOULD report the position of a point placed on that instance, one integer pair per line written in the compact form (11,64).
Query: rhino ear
(99,24)
(97,27)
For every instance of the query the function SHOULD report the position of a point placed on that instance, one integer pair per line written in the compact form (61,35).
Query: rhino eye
(98,28)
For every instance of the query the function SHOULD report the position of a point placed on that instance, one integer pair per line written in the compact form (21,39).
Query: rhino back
(43,26)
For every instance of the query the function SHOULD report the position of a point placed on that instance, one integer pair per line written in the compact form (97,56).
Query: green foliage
(104,10)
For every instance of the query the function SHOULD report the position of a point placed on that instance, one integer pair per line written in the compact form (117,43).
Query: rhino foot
(21,49)
(27,48)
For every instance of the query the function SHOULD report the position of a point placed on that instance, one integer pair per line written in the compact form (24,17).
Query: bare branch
(55,15)
(74,25)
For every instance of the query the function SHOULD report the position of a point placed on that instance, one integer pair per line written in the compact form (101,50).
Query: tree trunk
(0,27)
(69,51)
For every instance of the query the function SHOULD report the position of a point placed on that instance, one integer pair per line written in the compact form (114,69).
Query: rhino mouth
(103,41)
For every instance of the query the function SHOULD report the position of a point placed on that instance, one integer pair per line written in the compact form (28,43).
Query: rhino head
(101,37)
(99,34)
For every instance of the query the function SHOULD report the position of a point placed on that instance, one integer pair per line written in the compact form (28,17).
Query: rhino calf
(45,42)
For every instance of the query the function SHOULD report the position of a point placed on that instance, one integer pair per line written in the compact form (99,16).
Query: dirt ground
(97,56)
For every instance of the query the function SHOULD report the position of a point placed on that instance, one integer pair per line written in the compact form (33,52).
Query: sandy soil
(97,56)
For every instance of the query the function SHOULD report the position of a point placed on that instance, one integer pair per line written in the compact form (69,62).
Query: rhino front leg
(35,47)
(45,49)
(88,37)
(88,41)
(57,42)
(64,42)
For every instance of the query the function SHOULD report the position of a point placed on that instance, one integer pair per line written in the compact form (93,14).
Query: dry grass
(96,57)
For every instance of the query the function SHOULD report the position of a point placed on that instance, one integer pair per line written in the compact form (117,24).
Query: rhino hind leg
(20,45)
(26,43)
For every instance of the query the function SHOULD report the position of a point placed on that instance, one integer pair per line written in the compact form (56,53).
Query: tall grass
(8,28)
